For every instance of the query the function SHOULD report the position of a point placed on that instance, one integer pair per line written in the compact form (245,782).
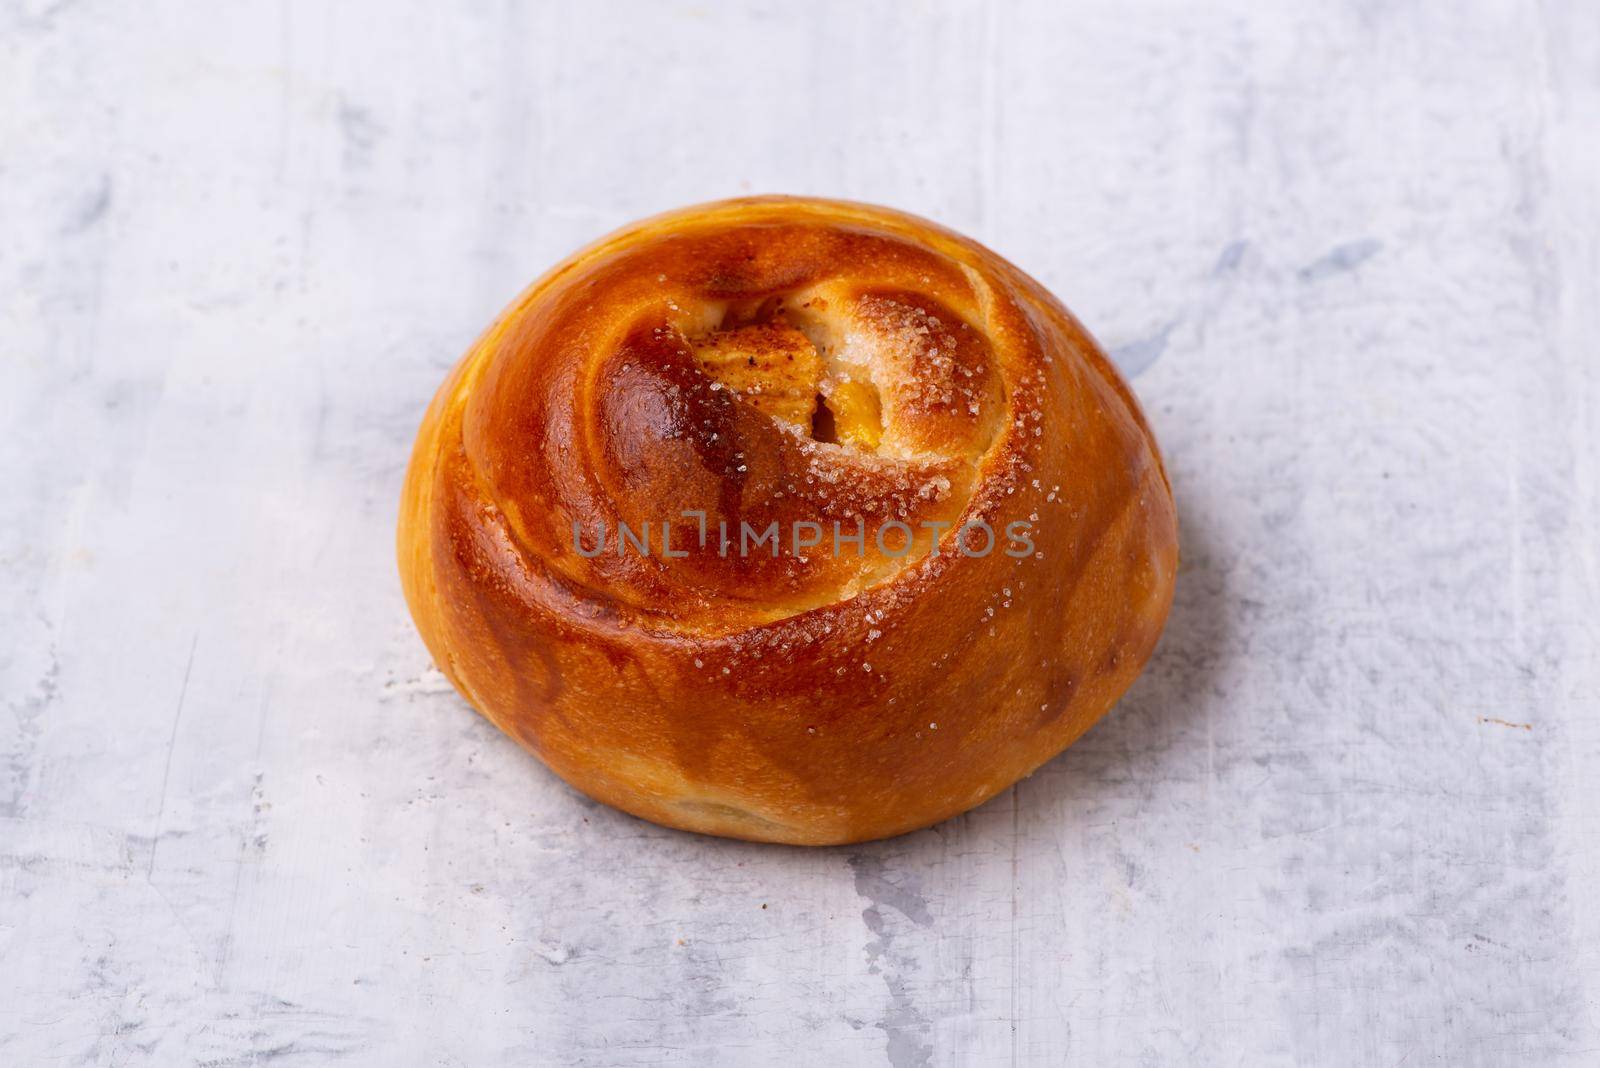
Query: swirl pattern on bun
(789,520)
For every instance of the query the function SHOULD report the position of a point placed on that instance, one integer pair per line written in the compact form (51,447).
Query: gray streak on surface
(1341,258)
(91,209)
(894,891)
(1134,358)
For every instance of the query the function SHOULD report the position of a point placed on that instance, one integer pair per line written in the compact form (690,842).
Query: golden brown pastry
(790,520)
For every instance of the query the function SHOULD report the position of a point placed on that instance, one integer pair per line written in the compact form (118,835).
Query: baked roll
(788,520)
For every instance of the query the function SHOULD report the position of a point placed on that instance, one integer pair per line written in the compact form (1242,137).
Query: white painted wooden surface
(1351,814)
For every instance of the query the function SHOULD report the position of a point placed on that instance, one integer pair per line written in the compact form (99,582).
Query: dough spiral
(577,522)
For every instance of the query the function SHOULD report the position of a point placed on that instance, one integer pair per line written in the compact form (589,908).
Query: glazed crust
(810,697)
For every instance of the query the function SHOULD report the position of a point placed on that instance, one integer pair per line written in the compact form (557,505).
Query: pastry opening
(855,413)
(823,427)
(759,353)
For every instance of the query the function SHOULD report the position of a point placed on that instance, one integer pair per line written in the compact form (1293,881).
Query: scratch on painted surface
(172,743)
(1505,723)
(17,763)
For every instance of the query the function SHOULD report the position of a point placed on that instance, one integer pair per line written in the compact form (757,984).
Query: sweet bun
(790,520)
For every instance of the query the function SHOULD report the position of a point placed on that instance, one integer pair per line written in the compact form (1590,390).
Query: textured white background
(1351,813)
